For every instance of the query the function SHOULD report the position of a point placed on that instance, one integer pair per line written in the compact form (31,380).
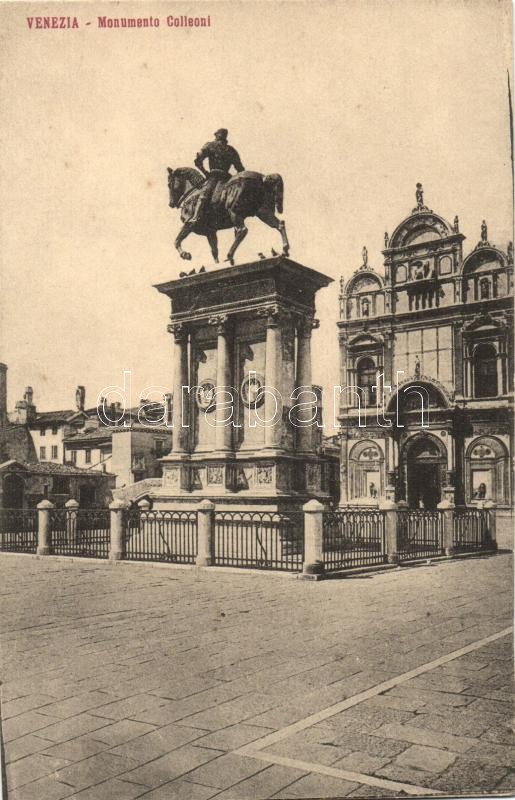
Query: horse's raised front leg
(267,216)
(183,233)
(240,231)
(213,243)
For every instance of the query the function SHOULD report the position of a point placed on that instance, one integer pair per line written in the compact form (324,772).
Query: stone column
(344,470)
(304,432)
(450,447)
(273,399)
(205,533)
(117,544)
(72,507)
(223,430)
(44,528)
(145,519)
(313,538)
(180,379)
(446,507)
(500,382)
(468,387)
(490,506)
(390,510)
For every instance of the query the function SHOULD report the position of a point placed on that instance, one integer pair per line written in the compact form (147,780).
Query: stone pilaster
(273,382)
(304,429)
(223,418)
(180,379)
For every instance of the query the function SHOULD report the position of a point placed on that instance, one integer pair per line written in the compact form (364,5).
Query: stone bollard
(490,506)
(145,522)
(117,542)
(447,509)
(391,520)
(206,534)
(313,538)
(72,507)
(44,547)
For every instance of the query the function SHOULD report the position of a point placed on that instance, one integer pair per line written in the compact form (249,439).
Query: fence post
(391,518)
(447,509)
(117,537)
(71,520)
(205,534)
(44,547)
(313,538)
(490,506)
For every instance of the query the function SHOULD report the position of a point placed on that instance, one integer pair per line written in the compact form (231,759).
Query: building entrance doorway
(424,466)
(423,486)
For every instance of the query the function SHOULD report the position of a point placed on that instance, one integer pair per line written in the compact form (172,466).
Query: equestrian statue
(214,199)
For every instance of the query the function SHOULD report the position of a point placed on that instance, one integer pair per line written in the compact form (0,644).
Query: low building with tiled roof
(24,485)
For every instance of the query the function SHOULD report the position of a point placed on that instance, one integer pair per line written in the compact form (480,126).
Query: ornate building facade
(426,355)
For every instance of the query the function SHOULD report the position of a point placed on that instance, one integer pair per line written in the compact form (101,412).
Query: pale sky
(352,102)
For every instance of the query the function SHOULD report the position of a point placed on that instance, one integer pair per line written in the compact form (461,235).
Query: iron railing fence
(419,533)
(82,532)
(259,540)
(19,530)
(353,538)
(161,536)
(471,529)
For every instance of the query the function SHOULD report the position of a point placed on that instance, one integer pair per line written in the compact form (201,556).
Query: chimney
(3,395)
(25,410)
(80,398)
(28,395)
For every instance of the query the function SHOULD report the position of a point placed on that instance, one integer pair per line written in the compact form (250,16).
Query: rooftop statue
(419,196)
(213,199)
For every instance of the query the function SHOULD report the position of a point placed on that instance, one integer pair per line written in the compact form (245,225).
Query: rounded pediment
(419,228)
(364,281)
(484,259)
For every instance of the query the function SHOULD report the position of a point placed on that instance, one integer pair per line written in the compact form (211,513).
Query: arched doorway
(366,471)
(13,491)
(424,466)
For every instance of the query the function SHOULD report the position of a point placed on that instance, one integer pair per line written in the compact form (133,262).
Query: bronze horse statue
(247,194)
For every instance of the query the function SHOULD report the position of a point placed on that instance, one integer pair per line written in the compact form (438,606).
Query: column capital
(219,321)
(178,329)
(273,315)
(306,325)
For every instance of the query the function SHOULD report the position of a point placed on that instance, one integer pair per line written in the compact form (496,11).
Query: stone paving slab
(133,682)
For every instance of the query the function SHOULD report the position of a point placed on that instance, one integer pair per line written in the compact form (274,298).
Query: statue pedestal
(242,349)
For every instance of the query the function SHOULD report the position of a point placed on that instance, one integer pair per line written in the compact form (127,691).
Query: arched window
(367,379)
(487,471)
(484,289)
(365,307)
(485,371)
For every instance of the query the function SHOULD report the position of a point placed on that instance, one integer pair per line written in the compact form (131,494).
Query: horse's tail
(274,184)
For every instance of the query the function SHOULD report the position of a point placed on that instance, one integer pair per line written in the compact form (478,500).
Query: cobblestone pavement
(132,681)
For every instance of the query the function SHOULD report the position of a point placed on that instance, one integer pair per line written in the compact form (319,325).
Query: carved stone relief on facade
(264,474)
(215,474)
(172,477)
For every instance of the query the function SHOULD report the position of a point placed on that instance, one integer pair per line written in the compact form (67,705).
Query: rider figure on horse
(221,157)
